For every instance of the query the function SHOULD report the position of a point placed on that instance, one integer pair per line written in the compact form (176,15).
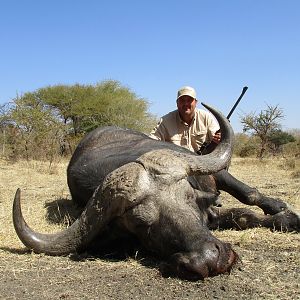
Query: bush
(248,150)
(245,146)
(291,149)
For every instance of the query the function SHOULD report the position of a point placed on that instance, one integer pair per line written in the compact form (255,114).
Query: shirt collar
(183,122)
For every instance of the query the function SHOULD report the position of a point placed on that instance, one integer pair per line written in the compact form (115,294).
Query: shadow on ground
(62,211)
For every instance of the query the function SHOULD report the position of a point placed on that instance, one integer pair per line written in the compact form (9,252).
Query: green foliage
(86,107)
(3,115)
(51,120)
(245,146)
(277,138)
(116,105)
(295,133)
(34,130)
(262,124)
(292,149)
(69,102)
(285,144)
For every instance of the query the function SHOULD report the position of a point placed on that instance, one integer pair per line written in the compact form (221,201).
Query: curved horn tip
(17,196)
(18,192)
(206,106)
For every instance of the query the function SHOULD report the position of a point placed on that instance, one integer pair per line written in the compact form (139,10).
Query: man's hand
(217,137)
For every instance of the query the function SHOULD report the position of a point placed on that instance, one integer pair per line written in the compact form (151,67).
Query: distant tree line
(50,121)
(266,135)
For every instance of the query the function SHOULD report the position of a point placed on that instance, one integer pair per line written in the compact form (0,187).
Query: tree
(277,138)
(38,132)
(69,102)
(54,118)
(113,104)
(4,119)
(86,107)
(245,145)
(263,124)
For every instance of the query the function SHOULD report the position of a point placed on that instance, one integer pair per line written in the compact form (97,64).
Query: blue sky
(155,47)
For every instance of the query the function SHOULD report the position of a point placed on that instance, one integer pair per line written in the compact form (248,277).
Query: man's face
(186,106)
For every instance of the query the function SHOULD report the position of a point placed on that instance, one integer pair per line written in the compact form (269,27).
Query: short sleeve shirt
(171,128)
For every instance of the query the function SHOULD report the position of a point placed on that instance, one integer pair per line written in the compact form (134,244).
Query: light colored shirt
(171,128)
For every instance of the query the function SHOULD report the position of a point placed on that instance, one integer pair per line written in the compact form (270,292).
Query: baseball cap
(186,91)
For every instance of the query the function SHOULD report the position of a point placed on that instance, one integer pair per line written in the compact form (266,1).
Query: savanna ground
(269,266)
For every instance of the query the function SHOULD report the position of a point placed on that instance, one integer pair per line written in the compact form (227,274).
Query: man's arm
(158,132)
(213,130)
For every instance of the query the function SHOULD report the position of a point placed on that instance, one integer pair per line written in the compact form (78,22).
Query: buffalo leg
(248,195)
(243,218)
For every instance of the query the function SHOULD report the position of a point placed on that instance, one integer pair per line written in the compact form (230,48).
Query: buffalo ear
(126,186)
(165,165)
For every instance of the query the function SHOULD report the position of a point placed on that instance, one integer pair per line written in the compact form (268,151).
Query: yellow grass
(270,261)
(41,186)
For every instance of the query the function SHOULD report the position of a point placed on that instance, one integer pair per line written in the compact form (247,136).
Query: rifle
(209,147)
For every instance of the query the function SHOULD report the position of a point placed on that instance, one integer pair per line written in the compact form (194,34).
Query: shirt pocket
(179,139)
(199,137)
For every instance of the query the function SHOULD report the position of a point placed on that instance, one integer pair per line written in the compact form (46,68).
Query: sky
(155,47)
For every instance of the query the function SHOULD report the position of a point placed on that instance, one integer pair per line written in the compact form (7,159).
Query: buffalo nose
(213,258)
(220,258)
(211,251)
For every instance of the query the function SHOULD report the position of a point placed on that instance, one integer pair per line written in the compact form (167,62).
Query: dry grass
(269,269)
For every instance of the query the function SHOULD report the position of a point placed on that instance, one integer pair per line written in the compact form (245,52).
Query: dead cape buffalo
(162,194)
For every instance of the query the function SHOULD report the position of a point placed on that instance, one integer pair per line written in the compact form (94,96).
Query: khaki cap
(186,91)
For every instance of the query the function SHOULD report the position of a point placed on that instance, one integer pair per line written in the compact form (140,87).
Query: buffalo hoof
(287,221)
(272,206)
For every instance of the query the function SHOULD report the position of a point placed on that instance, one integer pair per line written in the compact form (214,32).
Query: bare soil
(269,266)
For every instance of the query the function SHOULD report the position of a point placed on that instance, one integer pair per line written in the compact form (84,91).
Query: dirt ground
(269,266)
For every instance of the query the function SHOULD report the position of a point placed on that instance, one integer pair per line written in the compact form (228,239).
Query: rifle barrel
(245,88)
